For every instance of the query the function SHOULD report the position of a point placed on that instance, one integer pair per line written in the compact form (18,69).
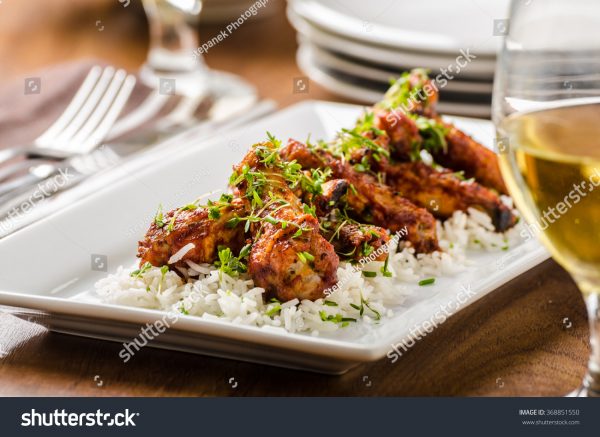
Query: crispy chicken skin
(476,160)
(286,264)
(413,93)
(355,241)
(333,191)
(192,226)
(442,193)
(401,130)
(370,201)
(462,151)
(351,241)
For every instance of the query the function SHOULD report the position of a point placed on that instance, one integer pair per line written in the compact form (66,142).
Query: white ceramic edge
(368,96)
(392,38)
(481,68)
(372,72)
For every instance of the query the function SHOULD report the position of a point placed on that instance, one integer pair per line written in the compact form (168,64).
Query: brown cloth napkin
(25,115)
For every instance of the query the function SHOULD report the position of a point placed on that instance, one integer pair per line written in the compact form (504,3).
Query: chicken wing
(458,152)
(196,225)
(476,160)
(414,92)
(442,192)
(438,190)
(351,240)
(370,201)
(289,257)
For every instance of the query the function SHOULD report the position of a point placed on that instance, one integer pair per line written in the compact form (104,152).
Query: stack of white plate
(225,11)
(354,48)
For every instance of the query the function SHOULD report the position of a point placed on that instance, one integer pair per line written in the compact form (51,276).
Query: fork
(84,123)
(73,171)
(105,158)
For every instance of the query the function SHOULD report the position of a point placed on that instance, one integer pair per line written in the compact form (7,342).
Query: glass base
(583,392)
(589,388)
(217,95)
(195,83)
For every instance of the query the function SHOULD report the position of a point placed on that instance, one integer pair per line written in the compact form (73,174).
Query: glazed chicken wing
(289,257)
(414,92)
(442,192)
(191,224)
(438,190)
(369,200)
(354,241)
(350,239)
(476,160)
(460,152)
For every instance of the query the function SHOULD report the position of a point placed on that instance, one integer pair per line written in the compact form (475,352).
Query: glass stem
(592,378)
(173,38)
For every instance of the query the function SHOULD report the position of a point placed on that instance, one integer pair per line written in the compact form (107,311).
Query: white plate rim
(369,96)
(481,68)
(369,71)
(385,36)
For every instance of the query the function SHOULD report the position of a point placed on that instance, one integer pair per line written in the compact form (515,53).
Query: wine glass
(546,109)
(175,64)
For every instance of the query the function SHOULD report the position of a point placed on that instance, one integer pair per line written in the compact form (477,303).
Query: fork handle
(32,152)
(20,183)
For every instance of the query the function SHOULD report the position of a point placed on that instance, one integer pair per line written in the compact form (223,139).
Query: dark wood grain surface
(527,338)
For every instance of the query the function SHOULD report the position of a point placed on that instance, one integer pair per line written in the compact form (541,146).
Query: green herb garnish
(139,272)
(273,310)
(159,217)
(305,257)
(427,281)
(384,270)
(230,264)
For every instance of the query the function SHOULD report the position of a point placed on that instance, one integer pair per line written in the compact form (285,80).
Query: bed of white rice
(208,293)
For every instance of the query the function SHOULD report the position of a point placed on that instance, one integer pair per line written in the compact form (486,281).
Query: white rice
(206,292)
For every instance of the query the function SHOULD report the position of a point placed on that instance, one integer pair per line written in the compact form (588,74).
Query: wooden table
(527,338)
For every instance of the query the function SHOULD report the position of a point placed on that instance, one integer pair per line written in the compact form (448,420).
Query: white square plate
(48,266)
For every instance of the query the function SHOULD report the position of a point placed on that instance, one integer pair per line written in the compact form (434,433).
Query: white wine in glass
(547,116)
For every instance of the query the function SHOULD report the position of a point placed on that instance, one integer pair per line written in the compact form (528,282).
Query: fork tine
(71,110)
(97,115)
(84,112)
(107,120)
(148,109)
